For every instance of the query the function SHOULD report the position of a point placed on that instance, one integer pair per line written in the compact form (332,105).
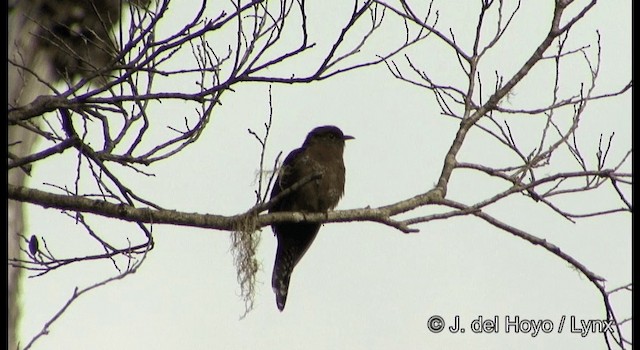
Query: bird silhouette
(321,153)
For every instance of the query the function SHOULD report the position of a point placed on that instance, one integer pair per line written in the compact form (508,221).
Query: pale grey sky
(361,285)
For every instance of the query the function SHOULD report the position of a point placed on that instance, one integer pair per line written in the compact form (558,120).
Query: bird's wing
(286,177)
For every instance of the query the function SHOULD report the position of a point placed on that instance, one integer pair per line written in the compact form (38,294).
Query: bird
(321,153)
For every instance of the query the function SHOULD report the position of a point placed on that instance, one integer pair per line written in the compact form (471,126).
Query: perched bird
(320,153)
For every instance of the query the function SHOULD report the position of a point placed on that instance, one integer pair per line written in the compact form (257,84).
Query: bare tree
(48,41)
(103,117)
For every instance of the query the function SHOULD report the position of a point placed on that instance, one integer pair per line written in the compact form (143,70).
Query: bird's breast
(324,193)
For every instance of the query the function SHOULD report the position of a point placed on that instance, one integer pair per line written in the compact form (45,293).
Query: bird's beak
(347,137)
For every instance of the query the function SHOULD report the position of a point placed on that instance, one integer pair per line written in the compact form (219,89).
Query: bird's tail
(293,242)
(280,280)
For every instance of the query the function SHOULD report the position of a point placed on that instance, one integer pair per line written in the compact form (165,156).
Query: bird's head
(326,135)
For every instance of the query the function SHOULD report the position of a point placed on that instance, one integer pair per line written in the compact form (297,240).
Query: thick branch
(118,211)
(217,222)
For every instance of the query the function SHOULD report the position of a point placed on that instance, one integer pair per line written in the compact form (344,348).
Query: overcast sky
(360,285)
